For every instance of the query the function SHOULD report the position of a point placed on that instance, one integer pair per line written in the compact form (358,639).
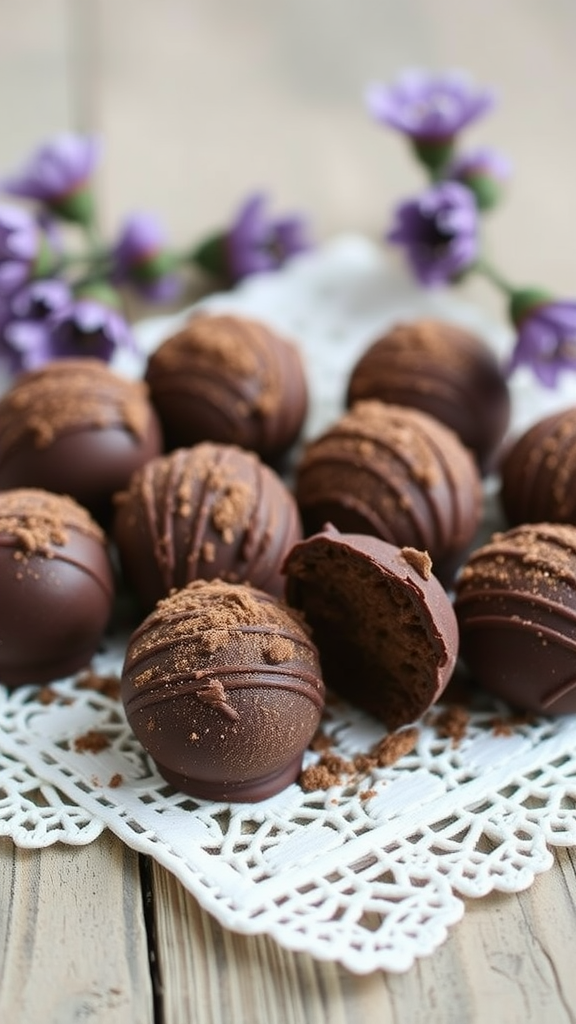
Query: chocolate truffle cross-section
(383,624)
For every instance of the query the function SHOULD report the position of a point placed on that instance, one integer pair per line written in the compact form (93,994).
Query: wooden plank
(509,959)
(72,937)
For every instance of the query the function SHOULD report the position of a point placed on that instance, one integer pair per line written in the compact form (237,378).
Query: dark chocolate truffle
(222,686)
(516,607)
(395,473)
(447,372)
(56,586)
(539,472)
(383,624)
(202,513)
(75,427)
(232,380)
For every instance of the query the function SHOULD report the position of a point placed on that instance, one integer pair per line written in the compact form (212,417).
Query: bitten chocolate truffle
(539,472)
(383,624)
(231,380)
(396,473)
(75,427)
(516,607)
(56,586)
(204,512)
(447,372)
(222,686)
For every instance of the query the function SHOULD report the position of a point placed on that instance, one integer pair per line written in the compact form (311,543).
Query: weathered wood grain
(73,944)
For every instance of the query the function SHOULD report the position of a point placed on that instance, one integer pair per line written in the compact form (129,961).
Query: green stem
(494,276)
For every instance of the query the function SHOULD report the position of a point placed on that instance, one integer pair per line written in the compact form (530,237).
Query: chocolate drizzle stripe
(518,598)
(182,686)
(515,622)
(136,657)
(381,473)
(557,692)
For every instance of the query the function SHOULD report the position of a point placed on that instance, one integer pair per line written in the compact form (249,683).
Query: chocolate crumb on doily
(109,685)
(333,770)
(394,746)
(367,794)
(506,726)
(116,780)
(451,723)
(92,742)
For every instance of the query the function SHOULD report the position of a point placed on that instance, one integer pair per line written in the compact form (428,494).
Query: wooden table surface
(197,102)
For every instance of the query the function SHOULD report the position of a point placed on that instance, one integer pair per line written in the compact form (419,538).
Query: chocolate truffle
(75,427)
(56,586)
(207,512)
(232,380)
(447,372)
(516,607)
(383,624)
(539,472)
(222,686)
(396,473)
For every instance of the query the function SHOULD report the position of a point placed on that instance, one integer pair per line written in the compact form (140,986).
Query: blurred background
(200,101)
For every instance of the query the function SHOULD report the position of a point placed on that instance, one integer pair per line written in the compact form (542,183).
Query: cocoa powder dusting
(37,521)
(71,394)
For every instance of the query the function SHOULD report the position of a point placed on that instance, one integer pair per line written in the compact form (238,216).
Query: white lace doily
(372,871)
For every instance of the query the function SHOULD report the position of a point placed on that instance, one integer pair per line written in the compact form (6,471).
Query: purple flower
(439,232)
(58,175)
(19,247)
(546,340)
(141,259)
(88,327)
(428,107)
(28,322)
(486,162)
(256,242)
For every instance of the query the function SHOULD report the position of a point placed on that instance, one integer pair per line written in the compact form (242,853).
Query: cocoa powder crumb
(367,794)
(92,742)
(451,723)
(116,780)
(109,685)
(419,560)
(278,649)
(213,693)
(394,746)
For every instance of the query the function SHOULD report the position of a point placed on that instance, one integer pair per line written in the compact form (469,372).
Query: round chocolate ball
(516,608)
(76,427)
(539,472)
(232,380)
(211,511)
(222,686)
(56,586)
(447,372)
(383,624)
(395,473)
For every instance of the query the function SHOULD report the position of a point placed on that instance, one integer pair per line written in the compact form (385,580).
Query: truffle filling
(377,648)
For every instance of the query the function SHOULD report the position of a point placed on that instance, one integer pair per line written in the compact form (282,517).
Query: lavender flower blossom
(141,259)
(19,247)
(546,340)
(28,323)
(88,327)
(427,107)
(257,243)
(438,231)
(57,175)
